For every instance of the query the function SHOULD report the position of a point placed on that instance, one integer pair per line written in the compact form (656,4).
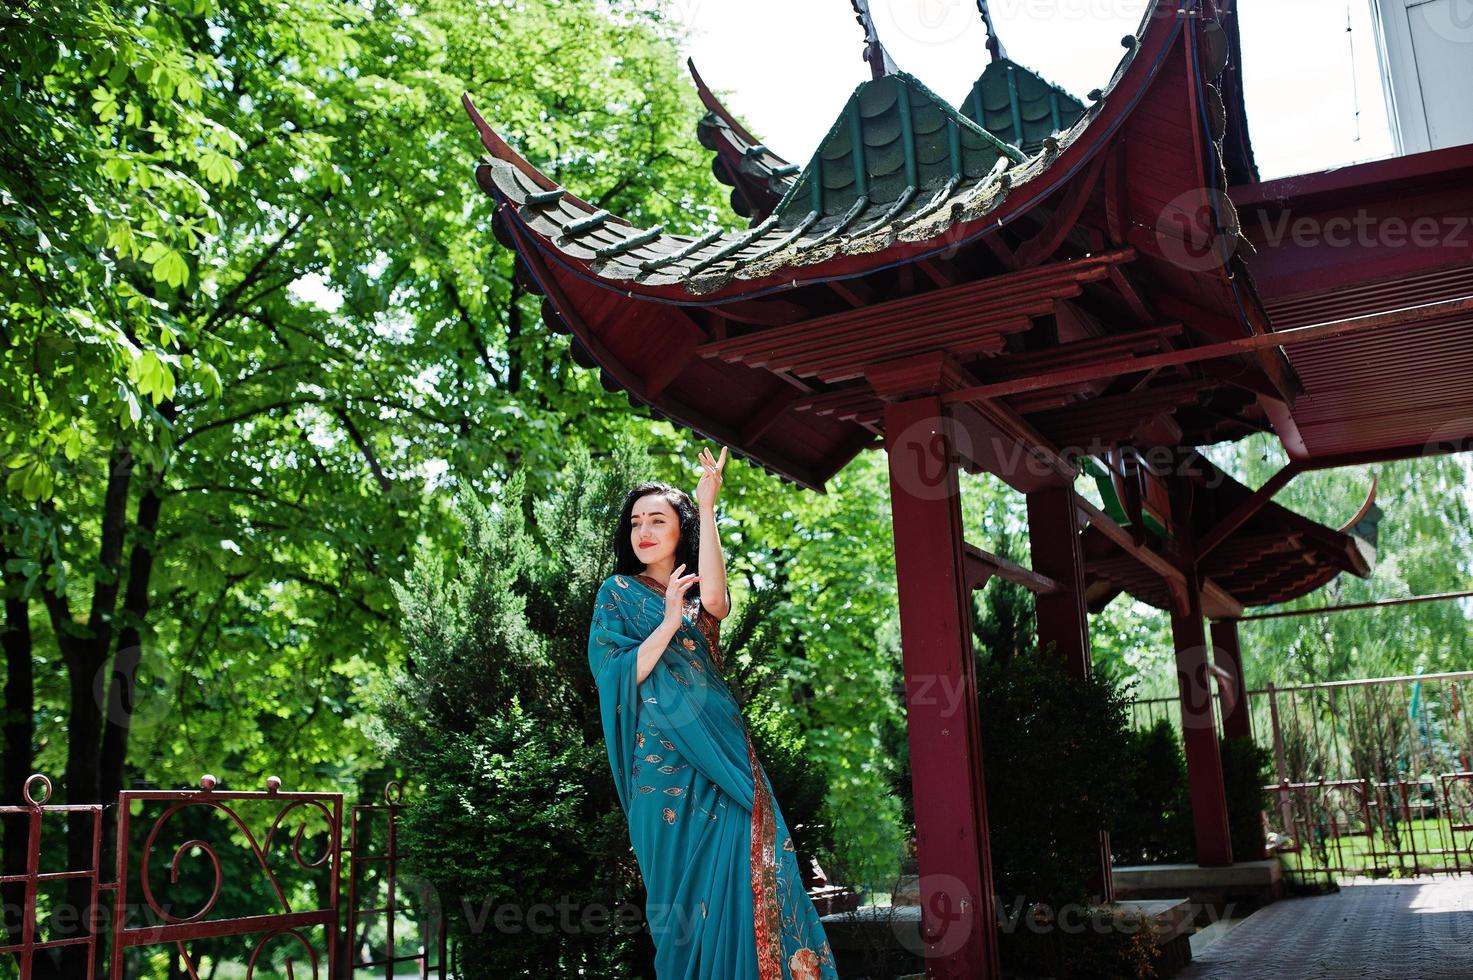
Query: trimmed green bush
(1156,828)
(1058,767)
(1246,769)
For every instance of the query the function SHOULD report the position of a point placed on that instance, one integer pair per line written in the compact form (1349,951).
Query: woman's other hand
(675,594)
(710,483)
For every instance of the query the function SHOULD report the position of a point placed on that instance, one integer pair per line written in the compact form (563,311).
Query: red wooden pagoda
(1028,285)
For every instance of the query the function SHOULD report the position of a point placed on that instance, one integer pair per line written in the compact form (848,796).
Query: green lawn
(1378,856)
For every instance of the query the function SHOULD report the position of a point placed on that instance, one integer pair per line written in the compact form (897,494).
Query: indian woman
(725,900)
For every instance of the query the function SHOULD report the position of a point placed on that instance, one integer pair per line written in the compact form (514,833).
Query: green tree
(253,321)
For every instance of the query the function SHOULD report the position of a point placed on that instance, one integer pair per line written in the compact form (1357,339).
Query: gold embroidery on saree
(766,916)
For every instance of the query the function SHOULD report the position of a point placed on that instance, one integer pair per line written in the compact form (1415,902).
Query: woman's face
(654,529)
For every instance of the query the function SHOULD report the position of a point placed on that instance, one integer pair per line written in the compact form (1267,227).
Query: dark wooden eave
(1274,555)
(765,339)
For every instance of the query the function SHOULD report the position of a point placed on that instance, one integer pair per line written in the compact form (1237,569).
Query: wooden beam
(774,406)
(942,271)
(674,359)
(1245,510)
(938,306)
(1117,205)
(856,292)
(952,849)
(1043,245)
(988,435)
(762,312)
(1217,602)
(1392,319)
(1194,680)
(1004,444)
(1285,427)
(1134,298)
(983,565)
(1155,561)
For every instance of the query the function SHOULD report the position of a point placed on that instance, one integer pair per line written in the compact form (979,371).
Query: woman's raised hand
(675,594)
(711,468)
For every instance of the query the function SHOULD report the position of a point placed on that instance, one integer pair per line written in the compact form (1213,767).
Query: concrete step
(884,940)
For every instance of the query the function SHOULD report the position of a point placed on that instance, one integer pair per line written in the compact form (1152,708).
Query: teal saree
(725,901)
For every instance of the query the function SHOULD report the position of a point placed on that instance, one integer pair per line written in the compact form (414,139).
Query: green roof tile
(1018,107)
(894,133)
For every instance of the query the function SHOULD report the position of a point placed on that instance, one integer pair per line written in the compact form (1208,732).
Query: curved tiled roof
(757,176)
(1019,107)
(945,195)
(908,201)
(1275,556)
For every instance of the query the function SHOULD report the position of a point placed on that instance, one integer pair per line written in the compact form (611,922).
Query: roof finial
(994,43)
(880,64)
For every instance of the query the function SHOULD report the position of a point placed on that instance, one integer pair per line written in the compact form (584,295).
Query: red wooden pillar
(1227,653)
(1053,537)
(1063,617)
(957,916)
(1199,727)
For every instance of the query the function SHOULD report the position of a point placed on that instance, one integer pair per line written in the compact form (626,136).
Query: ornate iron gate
(308,930)
(1374,777)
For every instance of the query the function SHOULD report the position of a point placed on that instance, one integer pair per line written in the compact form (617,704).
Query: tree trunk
(514,339)
(84,650)
(20,740)
(122,687)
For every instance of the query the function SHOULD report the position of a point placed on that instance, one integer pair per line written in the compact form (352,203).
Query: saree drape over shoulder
(725,901)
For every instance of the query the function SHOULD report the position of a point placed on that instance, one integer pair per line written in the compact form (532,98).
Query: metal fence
(259,879)
(1373,777)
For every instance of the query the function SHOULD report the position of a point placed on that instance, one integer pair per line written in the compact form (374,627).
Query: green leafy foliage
(1156,827)
(1058,769)
(1246,769)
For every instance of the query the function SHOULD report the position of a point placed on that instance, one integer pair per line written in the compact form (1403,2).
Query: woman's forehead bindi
(659,505)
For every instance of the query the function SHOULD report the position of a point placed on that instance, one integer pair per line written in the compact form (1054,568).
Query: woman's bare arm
(713,566)
(651,649)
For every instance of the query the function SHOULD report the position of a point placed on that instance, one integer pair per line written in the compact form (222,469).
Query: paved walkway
(1420,930)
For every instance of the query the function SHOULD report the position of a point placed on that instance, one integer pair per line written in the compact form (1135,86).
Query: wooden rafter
(994,291)
(983,565)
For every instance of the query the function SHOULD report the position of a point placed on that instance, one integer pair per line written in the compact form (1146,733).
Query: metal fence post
(1285,811)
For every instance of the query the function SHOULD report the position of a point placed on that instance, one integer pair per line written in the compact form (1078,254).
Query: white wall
(1426,50)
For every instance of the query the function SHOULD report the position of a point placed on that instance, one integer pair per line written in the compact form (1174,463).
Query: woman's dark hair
(687,549)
